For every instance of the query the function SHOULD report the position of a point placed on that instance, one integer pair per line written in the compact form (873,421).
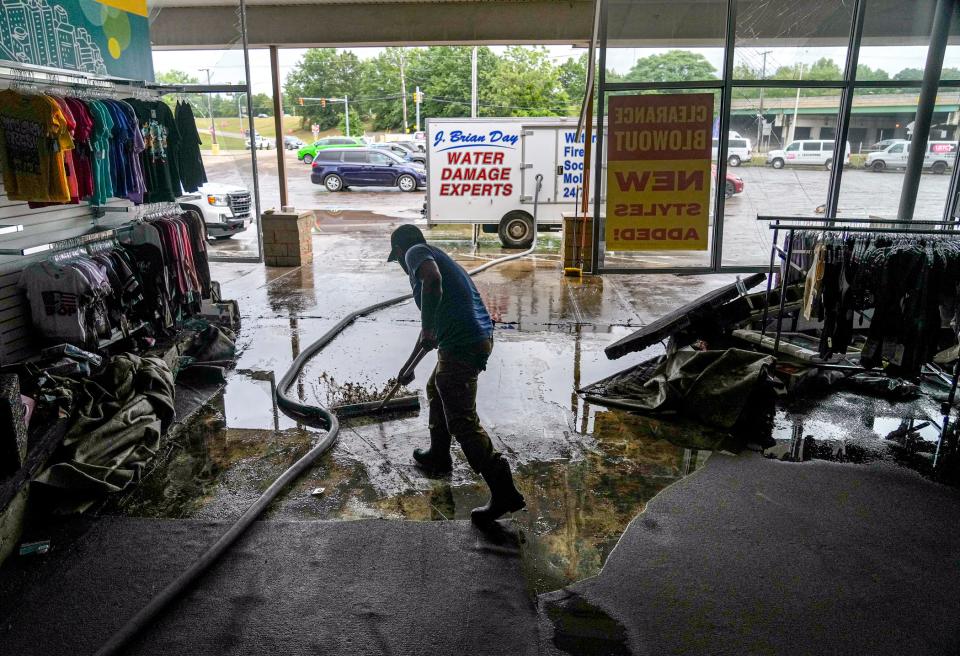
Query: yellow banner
(659,173)
(658,205)
(138,7)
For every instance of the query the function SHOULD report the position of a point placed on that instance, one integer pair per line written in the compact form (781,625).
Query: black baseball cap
(404,237)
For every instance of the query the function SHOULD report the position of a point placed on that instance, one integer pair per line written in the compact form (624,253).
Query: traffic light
(300,101)
(323,103)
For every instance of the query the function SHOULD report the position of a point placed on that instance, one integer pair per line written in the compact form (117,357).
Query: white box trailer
(482,171)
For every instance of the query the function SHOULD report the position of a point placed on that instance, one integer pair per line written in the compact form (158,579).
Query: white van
(806,152)
(738,150)
(940,156)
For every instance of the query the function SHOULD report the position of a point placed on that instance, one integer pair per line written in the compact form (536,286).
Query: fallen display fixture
(695,316)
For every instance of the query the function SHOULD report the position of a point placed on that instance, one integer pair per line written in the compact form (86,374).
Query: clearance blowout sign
(658,172)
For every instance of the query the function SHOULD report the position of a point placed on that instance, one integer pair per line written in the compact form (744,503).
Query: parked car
(806,152)
(882,145)
(402,152)
(308,153)
(292,143)
(226,209)
(262,142)
(262,115)
(341,168)
(413,146)
(733,185)
(940,156)
(738,150)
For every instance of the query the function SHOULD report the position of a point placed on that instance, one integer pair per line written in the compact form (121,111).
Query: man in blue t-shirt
(455,321)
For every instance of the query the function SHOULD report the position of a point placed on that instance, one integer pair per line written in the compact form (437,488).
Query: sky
(227,66)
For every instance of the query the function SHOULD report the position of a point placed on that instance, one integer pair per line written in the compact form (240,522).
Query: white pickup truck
(226,209)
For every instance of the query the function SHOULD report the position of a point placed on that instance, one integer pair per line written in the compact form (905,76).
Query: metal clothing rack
(825,224)
(946,228)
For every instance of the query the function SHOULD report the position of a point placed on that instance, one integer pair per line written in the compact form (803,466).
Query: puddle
(578,506)
(579,627)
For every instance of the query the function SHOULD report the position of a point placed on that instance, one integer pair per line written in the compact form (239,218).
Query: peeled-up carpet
(755,556)
(363,587)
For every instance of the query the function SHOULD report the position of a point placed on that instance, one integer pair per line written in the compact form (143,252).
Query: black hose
(312,415)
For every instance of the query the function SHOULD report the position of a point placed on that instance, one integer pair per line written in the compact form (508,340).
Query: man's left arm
(431,292)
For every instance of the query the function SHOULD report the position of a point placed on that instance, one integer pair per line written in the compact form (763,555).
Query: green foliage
(671,66)
(525,83)
(325,73)
(356,125)
(572,75)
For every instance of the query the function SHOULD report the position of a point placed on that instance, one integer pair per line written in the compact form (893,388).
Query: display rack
(875,226)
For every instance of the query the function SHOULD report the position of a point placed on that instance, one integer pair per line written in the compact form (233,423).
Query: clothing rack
(825,224)
(877,226)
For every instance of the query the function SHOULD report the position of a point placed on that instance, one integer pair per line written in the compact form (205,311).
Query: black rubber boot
(504,496)
(434,461)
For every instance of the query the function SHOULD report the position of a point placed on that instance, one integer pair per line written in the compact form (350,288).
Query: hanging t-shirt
(168,121)
(192,173)
(57,296)
(82,152)
(154,159)
(33,139)
(136,188)
(101,138)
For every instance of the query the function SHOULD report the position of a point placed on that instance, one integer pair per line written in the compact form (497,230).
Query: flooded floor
(585,471)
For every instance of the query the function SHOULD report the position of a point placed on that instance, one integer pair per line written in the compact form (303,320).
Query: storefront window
(804,40)
(788,175)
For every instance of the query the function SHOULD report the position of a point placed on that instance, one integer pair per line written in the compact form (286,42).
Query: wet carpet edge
(363,587)
(757,556)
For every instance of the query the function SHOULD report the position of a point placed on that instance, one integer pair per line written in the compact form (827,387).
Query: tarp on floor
(712,386)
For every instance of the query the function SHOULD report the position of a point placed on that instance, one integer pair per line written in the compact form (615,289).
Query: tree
(672,66)
(324,73)
(909,74)
(262,104)
(443,73)
(573,78)
(356,124)
(179,77)
(525,83)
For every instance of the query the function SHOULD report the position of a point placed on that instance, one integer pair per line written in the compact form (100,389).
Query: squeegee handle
(411,364)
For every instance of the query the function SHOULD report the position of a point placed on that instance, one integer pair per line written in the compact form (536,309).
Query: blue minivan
(339,169)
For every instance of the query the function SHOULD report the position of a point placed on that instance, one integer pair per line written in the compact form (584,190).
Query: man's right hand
(406,378)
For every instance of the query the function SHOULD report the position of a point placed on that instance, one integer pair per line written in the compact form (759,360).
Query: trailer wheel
(516,230)
(939,167)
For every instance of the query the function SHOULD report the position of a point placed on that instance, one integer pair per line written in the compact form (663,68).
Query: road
(788,192)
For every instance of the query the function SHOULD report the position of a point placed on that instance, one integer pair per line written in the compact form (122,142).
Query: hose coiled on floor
(312,415)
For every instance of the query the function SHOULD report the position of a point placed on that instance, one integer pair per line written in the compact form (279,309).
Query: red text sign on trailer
(659,171)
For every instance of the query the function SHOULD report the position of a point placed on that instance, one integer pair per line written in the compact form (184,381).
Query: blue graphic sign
(461,139)
(78,35)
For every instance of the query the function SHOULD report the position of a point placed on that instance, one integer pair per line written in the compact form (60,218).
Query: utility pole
(346,112)
(760,120)
(213,126)
(796,109)
(417,96)
(403,92)
(473,83)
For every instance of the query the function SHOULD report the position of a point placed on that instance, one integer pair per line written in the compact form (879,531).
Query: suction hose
(312,415)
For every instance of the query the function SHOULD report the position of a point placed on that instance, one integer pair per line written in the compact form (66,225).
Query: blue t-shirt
(462,319)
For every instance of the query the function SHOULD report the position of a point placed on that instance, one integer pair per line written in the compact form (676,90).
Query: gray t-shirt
(57,296)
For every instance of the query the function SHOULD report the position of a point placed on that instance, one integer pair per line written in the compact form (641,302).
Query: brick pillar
(287,240)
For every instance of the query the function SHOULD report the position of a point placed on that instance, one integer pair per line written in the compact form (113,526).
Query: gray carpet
(753,556)
(365,587)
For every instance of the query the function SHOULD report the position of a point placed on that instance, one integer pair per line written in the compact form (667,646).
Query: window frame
(847,86)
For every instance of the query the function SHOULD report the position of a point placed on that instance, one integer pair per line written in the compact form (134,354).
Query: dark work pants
(452,392)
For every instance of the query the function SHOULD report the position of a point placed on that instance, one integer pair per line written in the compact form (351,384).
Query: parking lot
(787,192)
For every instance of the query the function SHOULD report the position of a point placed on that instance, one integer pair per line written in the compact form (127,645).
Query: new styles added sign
(658,172)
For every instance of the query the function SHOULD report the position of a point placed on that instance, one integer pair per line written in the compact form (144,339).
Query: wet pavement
(585,471)
(634,525)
